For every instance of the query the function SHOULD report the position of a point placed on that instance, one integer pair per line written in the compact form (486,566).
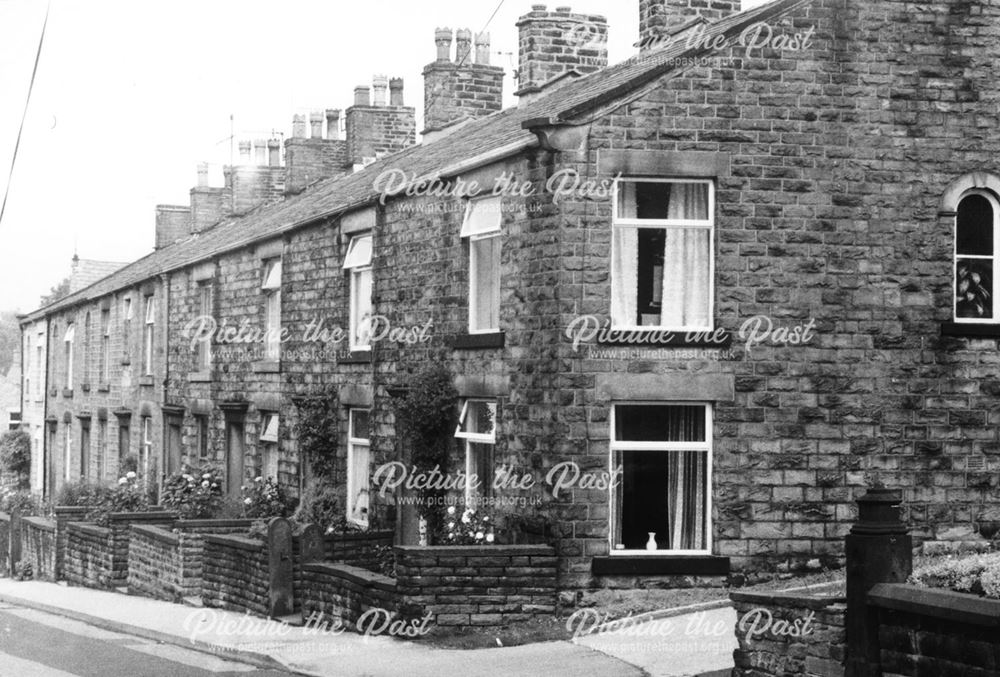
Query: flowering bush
(978,574)
(193,494)
(22,501)
(129,495)
(469,528)
(264,498)
(321,505)
(81,494)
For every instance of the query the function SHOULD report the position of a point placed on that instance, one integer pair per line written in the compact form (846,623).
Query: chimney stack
(333,124)
(658,19)
(553,44)
(316,124)
(380,85)
(260,152)
(202,174)
(361,96)
(173,223)
(396,92)
(298,126)
(442,39)
(377,130)
(463,89)
(245,152)
(274,152)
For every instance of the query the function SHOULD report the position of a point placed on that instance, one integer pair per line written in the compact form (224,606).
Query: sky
(130,96)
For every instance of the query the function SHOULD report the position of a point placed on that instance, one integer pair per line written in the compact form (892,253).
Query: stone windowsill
(146,380)
(356,357)
(965,329)
(103,388)
(665,565)
(266,367)
(67,392)
(199,376)
(85,387)
(126,362)
(478,341)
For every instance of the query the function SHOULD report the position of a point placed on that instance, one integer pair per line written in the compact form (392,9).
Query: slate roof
(488,134)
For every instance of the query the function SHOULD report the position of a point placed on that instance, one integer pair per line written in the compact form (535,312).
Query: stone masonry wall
(344,592)
(235,574)
(477,586)
(38,547)
(63,516)
(90,556)
(815,650)
(356,549)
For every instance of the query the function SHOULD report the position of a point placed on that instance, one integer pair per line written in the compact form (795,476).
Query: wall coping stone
(157,533)
(40,523)
(89,528)
(70,510)
(360,535)
(4,517)
(477,550)
(943,604)
(183,524)
(241,542)
(141,516)
(806,600)
(354,574)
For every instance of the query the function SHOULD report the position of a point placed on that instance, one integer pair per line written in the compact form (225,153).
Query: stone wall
(477,585)
(167,563)
(814,645)
(936,632)
(64,514)
(235,574)
(38,547)
(357,549)
(90,556)
(344,592)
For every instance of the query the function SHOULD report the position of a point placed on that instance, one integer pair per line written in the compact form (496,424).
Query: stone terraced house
(744,273)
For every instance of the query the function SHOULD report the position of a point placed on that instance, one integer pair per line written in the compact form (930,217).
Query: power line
(24,115)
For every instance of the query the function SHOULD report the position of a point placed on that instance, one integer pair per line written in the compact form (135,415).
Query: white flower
(451,510)
(215,485)
(451,525)
(206,476)
(489,538)
(122,480)
(259,479)
(204,484)
(465,518)
(479,535)
(130,474)
(189,477)
(247,500)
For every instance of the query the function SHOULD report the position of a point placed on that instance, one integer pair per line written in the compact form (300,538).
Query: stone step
(295,620)
(194,600)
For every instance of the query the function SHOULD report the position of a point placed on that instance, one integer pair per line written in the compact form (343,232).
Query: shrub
(265,498)
(23,501)
(128,464)
(317,432)
(321,505)
(15,455)
(472,527)
(978,574)
(84,494)
(193,493)
(128,496)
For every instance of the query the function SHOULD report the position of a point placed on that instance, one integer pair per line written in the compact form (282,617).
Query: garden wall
(4,544)
(38,547)
(236,574)
(357,549)
(64,514)
(97,556)
(477,585)
(344,592)
(789,635)
(167,563)
(936,632)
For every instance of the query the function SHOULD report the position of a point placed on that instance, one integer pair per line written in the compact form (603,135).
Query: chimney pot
(333,124)
(396,92)
(380,84)
(299,126)
(442,39)
(565,9)
(202,174)
(550,46)
(361,96)
(274,152)
(463,46)
(316,124)
(260,151)
(538,8)
(246,151)
(483,49)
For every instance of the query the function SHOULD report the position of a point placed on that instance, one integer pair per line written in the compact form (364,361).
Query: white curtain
(625,284)
(686,267)
(359,482)
(686,510)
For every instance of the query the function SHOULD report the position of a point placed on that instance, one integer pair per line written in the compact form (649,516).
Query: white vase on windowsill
(651,543)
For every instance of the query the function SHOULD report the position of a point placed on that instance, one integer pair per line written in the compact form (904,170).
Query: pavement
(679,643)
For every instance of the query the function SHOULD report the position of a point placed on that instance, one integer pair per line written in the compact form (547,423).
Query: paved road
(36,644)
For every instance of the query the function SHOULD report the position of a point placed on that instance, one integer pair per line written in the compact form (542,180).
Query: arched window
(976,257)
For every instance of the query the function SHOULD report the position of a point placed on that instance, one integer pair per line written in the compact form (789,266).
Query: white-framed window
(86,349)
(977,234)
(662,263)
(146,451)
(358,465)
(269,446)
(358,263)
(203,356)
(661,459)
(147,336)
(481,227)
(40,367)
(201,424)
(68,453)
(477,429)
(271,286)
(105,366)
(127,315)
(68,339)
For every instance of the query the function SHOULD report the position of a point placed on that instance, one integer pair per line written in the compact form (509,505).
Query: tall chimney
(274,152)
(380,84)
(316,124)
(260,151)
(173,223)
(245,152)
(202,174)
(396,92)
(463,46)
(333,124)
(442,39)
(659,18)
(551,44)
(298,126)
(460,90)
